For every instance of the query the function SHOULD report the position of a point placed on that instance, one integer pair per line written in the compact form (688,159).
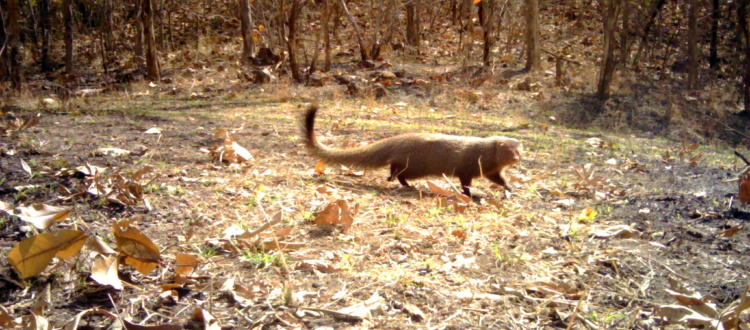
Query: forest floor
(604,229)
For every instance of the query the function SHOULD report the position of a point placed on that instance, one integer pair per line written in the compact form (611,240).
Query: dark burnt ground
(529,263)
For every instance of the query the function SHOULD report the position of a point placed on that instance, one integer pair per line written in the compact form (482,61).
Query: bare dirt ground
(600,226)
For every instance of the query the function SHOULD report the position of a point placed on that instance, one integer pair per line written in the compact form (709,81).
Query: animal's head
(508,151)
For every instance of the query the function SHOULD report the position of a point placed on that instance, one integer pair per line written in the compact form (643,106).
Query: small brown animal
(417,155)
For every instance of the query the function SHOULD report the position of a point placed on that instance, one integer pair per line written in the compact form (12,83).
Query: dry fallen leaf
(744,186)
(32,255)
(104,271)
(7,321)
(437,189)
(98,246)
(139,251)
(317,265)
(185,263)
(42,216)
(337,213)
(204,320)
(623,231)
(320,168)
(229,151)
(26,168)
(112,152)
(729,232)
(374,306)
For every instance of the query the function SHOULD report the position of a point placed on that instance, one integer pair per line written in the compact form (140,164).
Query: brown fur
(417,155)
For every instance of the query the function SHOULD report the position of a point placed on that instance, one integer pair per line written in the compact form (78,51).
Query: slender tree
(246,27)
(713,57)
(362,49)
(68,23)
(46,26)
(692,44)
(609,62)
(533,54)
(14,43)
(489,18)
(138,35)
(153,71)
(291,40)
(413,33)
(745,33)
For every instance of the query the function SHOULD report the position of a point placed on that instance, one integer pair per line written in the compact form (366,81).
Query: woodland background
(152,173)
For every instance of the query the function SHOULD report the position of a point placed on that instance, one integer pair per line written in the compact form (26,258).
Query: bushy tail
(371,156)
(308,128)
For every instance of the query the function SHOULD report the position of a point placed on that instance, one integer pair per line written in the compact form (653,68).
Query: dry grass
(533,260)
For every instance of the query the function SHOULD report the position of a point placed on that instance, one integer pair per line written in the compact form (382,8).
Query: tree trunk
(413,32)
(45,24)
(138,28)
(108,26)
(333,10)
(609,61)
(745,33)
(533,55)
(487,16)
(68,22)
(325,17)
(625,33)
(291,40)
(647,30)
(692,58)
(14,43)
(153,71)
(360,41)
(713,57)
(246,26)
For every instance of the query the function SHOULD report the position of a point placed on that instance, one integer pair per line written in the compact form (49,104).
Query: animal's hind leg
(396,171)
(465,183)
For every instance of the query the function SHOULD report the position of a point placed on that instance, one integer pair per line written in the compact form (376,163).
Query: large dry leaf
(42,216)
(202,317)
(437,189)
(5,207)
(676,314)
(98,246)
(744,186)
(185,263)
(38,322)
(730,317)
(375,306)
(245,295)
(139,250)
(230,151)
(337,213)
(318,265)
(43,300)
(731,231)
(112,152)
(7,321)
(32,255)
(18,125)
(273,245)
(104,271)
(623,231)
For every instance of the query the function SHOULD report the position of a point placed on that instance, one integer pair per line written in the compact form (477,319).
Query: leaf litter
(425,255)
